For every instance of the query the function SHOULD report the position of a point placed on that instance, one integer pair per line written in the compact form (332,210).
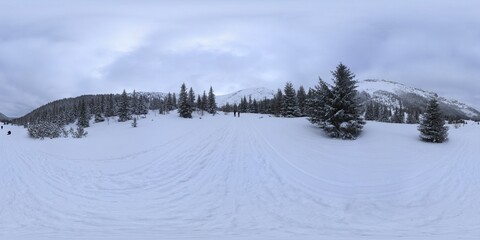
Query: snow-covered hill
(253,177)
(255,93)
(393,93)
(3,117)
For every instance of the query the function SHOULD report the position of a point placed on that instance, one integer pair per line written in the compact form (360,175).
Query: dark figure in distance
(9,133)
(234,113)
(238,113)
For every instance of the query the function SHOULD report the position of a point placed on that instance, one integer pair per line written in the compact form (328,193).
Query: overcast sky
(55,49)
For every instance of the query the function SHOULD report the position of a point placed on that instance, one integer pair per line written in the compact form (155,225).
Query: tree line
(334,108)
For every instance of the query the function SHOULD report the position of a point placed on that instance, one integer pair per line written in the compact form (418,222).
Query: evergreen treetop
(184,108)
(432,127)
(212,105)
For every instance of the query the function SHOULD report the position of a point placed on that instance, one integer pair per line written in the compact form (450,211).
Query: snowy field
(253,177)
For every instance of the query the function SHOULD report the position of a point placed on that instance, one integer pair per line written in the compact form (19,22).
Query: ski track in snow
(232,180)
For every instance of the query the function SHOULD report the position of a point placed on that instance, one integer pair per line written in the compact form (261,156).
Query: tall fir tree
(290,105)
(255,106)
(301,99)
(83,116)
(98,114)
(204,101)
(191,99)
(243,105)
(398,116)
(134,103)
(277,103)
(124,111)
(142,108)
(110,108)
(318,111)
(184,109)
(212,105)
(200,104)
(174,101)
(384,114)
(337,110)
(369,111)
(432,127)
(169,102)
(412,117)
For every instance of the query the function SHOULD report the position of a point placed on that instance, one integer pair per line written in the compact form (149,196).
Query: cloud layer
(54,49)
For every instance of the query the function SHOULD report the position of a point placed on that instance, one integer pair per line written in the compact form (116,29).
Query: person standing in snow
(235,110)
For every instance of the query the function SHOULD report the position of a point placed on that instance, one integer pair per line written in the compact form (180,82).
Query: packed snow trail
(239,178)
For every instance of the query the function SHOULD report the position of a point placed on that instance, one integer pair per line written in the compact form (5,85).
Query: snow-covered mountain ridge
(259,93)
(389,93)
(394,94)
(254,93)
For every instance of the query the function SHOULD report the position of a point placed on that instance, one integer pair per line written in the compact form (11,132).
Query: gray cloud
(55,49)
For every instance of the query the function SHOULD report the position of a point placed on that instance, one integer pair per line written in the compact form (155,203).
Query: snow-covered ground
(253,177)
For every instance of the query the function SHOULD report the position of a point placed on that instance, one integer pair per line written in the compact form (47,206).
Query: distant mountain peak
(259,93)
(395,94)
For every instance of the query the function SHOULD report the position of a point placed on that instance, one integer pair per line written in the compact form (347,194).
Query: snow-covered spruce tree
(432,128)
(124,108)
(203,106)
(277,103)
(212,105)
(134,103)
(398,116)
(301,99)
(174,101)
(369,111)
(184,109)
(169,102)
(412,117)
(110,107)
(191,100)
(317,104)
(142,108)
(243,107)
(254,106)
(98,114)
(289,104)
(336,109)
(83,118)
(200,103)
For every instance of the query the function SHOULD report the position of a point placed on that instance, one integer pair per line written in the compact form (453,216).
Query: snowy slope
(253,177)
(391,93)
(236,97)
(3,117)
